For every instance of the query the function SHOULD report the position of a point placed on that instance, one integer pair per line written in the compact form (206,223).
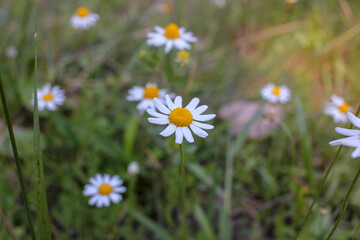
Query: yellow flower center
(183,54)
(151,92)
(181,117)
(276,90)
(48,97)
(82,12)
(290,1)
(172,31)
(168,8)
(105,189)
(344,108)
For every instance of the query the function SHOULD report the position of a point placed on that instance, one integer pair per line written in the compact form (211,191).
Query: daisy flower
(166,8)
(183,57)
(145,96)
(49,97)
(180,119)
(83,18)
(274,93)
(104,189)
(171,36)
(352,136)
(337,108)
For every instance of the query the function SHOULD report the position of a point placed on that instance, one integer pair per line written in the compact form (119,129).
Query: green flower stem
(183,192)
(322,184)
(344,205)
(17,160)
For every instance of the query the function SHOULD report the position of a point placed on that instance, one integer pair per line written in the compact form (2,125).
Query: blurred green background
(310,46)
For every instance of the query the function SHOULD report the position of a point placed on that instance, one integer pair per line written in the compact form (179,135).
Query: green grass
(236,188)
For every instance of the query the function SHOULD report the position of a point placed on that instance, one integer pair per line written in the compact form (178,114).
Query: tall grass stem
(346,201)
(17,160)
(183,192)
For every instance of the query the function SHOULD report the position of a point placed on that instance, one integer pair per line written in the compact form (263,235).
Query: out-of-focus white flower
(171,36)
(180,119)
(83,18)
(220,3)
(104,190)
(146,96)
(353,136)
(337,108)
(49,97)
(11,52)
(275,94)
(133,168)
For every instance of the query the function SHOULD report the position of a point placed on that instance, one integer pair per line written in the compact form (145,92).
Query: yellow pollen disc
(172,31)
(276,90)
(168,8)
(48,97)
(151,92)
(181,117)
(82,12)
(105,189)
(344,108)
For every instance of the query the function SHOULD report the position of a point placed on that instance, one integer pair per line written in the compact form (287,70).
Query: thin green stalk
(322,184)
(344,205)
(17,160)
(42,207)
(183,192)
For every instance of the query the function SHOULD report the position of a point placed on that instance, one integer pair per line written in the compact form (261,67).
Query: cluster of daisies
(168,109)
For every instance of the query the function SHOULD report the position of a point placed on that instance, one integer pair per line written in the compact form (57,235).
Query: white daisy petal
(198,131)
(179,135)
(347,132)
(156,114)
(169,103)
(90,190)
(353,119)
(349,141)
(159,121)
(93,200)
(203,125)
(193,104)
(169,130)
(199,110)
(159,105)
(187,134)
(178,102)
(168,46)
(115,198)
(205,117)
(356,153)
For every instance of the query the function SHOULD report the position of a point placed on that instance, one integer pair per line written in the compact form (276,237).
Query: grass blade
(17,160)
(42,207)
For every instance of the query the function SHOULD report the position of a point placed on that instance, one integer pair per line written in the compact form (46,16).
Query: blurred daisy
(104,189)
(220,3)
(49,98)
(83,19)
(291,1)
(171,36)
(337,108)
(180,119)
(133,168)
(352,136)
(274,93)
(183,57)
(145,96)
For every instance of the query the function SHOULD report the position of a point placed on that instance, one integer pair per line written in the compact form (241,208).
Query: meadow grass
(237,188)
